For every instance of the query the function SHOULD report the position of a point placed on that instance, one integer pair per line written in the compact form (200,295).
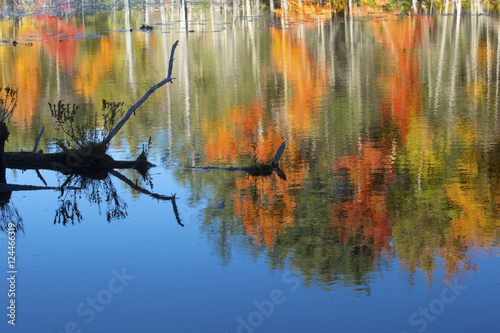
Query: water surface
(388,220)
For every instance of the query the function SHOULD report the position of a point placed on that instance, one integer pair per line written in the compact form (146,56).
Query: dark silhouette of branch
(151,194)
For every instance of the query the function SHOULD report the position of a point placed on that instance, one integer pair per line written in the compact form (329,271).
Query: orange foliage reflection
(363,219)
(267,205)
(59,39)
(245,132)
(264,204)
(309,80)
(24,69)
(401,81)
(475,225)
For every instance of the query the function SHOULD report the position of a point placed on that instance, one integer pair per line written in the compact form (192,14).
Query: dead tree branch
(38,139)
(144,98)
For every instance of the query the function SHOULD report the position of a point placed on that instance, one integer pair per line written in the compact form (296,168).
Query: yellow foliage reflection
(471,193)
(94,67)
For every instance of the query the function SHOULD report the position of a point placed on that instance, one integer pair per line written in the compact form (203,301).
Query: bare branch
(144,98)
(38,139)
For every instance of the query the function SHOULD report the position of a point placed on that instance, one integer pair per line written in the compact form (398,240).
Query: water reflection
(385,158)
(76,191)
(97,192)
(9,215)
(392,146)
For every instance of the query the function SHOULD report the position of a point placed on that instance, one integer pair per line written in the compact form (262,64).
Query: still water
(388,220)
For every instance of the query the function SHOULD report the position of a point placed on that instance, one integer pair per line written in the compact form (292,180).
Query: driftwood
(257,170)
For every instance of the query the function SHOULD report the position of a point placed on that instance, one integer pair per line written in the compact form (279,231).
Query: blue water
(173,283)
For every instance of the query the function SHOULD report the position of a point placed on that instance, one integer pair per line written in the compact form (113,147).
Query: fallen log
(72,161)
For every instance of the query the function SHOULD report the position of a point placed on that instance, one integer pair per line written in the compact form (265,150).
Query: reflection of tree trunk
(184,14)
(454,70)
(169,100)
(498,78)
(473,51)
(235,10)
(441,64)
(247,7)
(128,49)
(4,135)
(187,92)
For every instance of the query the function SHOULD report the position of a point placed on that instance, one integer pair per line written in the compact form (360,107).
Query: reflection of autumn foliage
(252,130)
(363,219)
(267,205)
(401,80)
(401,106)
(308,80)
(26,74)
(95,66)
(475,227)
(26,78)
(244,133)
(22,69)
(59,39)
(264,204)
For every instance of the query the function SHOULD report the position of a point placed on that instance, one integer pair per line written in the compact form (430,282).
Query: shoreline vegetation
(356,8)
(330,8)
